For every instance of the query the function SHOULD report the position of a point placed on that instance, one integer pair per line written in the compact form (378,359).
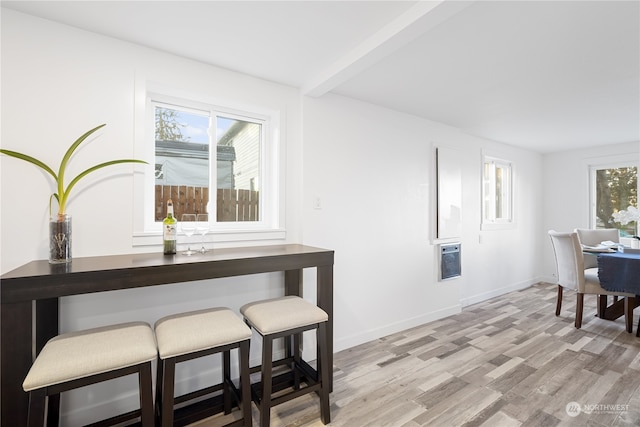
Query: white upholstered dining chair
(572,275)
(593,237)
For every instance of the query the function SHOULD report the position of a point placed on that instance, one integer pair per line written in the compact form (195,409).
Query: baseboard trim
(373,334)
(474,299)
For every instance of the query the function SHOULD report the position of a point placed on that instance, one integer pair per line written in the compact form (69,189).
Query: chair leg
(53,410)
(559,301)
(226,379)
(37,405)
(169,368)
(245,383)
(265,401)
(601,305)
(146,395)
(159,380)
(324,371)
(629,304)
(579,309)
(297,338)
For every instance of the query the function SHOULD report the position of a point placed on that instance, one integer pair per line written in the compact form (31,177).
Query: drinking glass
(202,228)
(188,227)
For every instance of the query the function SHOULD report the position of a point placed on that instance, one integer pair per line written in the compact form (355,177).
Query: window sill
(155,238)
(497,226)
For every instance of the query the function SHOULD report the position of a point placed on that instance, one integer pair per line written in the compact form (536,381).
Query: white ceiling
(544,75)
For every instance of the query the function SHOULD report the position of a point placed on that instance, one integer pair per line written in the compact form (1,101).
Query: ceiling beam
(417,20)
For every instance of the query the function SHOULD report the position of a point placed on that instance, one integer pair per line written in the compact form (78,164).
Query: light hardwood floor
(508,361)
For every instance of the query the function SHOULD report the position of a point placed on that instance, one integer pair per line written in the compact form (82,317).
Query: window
(212,159)
(614,187)
(192,145)
(497,206)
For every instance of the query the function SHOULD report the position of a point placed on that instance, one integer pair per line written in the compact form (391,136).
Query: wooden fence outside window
(232,205)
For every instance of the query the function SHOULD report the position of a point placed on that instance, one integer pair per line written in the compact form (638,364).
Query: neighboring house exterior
(245,137)
(186,163)
(238,157)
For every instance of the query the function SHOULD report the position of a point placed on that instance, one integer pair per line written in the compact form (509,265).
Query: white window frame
(490,222)
(608,162)
(271,225)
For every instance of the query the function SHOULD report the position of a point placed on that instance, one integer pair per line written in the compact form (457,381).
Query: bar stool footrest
(205,407)
(197,411)
(119,419)
(197,394)
(285,380)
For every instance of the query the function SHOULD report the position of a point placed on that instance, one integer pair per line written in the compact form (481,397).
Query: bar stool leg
(245,383)
(265,401)
(297,338)
(146,395)
(37,404)
(53,410)
(169,368)
(159,382)
(226,380)
(324,371)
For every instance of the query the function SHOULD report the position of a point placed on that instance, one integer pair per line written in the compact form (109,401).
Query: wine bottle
(169,230)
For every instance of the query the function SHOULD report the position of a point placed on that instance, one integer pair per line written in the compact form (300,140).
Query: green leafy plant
(62,194)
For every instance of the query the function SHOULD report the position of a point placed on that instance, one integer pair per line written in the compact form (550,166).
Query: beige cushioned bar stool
(195,334)
(288,317)
(77,359)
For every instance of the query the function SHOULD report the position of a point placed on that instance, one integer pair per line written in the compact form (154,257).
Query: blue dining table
(619,272)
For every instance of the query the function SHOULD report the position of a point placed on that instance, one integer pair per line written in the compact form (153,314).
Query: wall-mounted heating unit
(450,264)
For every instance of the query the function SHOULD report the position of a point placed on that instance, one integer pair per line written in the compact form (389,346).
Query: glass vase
(60,239)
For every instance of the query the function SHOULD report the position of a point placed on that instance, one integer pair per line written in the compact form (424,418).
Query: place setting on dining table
(619,269)
(618,266)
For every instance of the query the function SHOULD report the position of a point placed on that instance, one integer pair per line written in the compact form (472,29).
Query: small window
(183,141)
(497,205)
(614,187)
(215,160)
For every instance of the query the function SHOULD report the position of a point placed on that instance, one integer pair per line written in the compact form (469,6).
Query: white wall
(371,168)
(566,191)
(58,82)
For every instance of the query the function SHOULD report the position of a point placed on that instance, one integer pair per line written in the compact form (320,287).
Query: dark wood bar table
(44,283)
